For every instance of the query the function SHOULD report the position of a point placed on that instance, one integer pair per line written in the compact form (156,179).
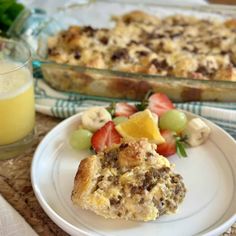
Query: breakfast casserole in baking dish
(177,45)
(188,53)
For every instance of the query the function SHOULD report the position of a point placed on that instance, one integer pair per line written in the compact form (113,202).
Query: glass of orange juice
(17,112)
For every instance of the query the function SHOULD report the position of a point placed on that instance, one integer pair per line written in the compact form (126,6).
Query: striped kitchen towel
(63,105)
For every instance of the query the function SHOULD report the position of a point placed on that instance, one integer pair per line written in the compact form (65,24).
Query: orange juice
(17,112)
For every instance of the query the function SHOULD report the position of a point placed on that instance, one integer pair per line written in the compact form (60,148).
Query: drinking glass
(17,112)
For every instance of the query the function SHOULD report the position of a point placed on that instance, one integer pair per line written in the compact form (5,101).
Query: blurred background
(51,5)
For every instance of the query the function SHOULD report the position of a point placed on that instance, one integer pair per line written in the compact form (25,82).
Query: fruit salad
(155,118)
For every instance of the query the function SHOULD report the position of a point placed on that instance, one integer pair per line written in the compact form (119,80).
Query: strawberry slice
(159,103)
(169,147)
(105,137)
(173,144)
(124,109)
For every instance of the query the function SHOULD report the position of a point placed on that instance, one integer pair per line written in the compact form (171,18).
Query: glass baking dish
(35,26)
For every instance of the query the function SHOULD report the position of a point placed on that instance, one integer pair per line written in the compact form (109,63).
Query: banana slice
(94,118)
(196,131)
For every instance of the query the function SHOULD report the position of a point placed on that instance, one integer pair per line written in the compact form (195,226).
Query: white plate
(209,173)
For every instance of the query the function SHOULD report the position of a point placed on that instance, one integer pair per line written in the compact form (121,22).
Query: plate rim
(57,219)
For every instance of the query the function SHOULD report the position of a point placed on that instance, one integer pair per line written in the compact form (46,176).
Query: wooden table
(17,189)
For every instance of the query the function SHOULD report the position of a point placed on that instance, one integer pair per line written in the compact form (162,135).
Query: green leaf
(5,21)
(180,149)
(144,103)
(112,109)
(14,10)
(9,10)
(5,4)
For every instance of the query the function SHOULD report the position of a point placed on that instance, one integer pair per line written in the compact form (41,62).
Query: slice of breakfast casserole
(129,181)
